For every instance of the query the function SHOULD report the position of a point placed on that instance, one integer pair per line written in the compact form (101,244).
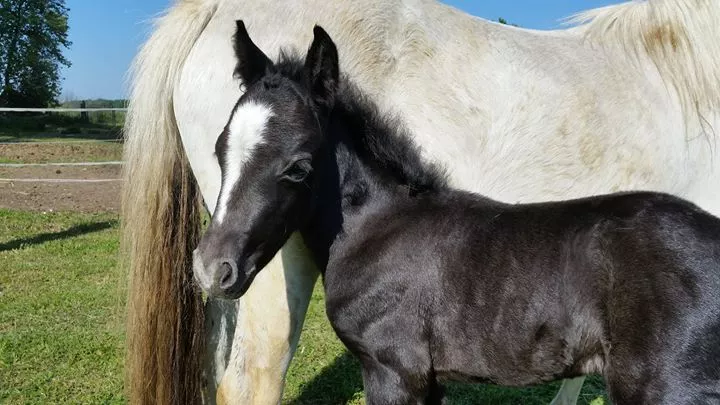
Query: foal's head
(266,154)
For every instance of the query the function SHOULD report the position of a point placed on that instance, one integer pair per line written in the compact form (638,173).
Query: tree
(33,34)
(504,21)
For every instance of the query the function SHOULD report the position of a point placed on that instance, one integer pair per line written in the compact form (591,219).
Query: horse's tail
(681,37)
(161,221)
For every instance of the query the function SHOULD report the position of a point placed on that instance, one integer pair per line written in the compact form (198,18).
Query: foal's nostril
(228,274)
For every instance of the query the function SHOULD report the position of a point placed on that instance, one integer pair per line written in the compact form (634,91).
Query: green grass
(61,333)
(17,127)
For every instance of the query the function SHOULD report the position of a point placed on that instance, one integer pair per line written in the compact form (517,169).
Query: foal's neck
(369,163)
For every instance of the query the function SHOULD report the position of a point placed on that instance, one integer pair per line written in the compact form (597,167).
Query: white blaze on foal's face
(244,133)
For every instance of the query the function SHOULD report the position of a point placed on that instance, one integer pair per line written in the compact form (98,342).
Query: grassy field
(17,127)
(61,326)
(61,333)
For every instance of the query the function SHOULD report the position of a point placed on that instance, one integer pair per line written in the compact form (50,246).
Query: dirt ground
(44,152)
(61,196)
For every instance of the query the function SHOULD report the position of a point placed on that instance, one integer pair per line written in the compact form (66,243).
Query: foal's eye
(297,171)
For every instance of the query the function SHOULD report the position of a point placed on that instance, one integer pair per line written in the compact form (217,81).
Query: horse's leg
(270,317)
(384,385)
(436,393)
(627,383)
(651,376)
(569,392)
(404,376)
(220,323)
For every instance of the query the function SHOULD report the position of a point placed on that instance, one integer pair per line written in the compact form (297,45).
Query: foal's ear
(252,63)
(321,68)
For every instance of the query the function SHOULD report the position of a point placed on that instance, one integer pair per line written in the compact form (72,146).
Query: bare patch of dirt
(49,152)
(61,196)
(61,172)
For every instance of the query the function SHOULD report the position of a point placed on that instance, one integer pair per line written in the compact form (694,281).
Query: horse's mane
(380,139)
(681,37)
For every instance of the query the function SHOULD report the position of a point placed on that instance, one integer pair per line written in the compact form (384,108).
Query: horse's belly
(518,340)
(517,357)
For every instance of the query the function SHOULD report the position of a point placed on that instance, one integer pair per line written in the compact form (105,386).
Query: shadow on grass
(51,236)
(342,381)
(336,384)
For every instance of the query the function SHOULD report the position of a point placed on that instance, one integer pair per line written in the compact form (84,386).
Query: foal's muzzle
(223,277)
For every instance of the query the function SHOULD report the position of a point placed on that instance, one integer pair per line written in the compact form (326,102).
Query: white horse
(628,99)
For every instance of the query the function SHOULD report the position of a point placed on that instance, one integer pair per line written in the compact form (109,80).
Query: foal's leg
(654,380)
(270,317)
(436,393)
(386,386)
(569,392)
(403,377)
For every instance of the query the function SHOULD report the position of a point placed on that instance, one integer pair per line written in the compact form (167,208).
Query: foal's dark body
(461,287)
(425,282)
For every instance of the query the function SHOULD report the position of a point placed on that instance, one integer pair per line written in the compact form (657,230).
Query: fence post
(83,114)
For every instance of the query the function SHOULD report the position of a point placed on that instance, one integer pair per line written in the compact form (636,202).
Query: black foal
(425,283)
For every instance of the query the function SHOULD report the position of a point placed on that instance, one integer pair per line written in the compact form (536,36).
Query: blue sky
(107,33)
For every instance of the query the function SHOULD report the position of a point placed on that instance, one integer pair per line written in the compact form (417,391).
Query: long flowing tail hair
(161,217)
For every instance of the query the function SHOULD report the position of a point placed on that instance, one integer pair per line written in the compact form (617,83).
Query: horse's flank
(161,222)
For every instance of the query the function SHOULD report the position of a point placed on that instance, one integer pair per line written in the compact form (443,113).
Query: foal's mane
(380,139)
